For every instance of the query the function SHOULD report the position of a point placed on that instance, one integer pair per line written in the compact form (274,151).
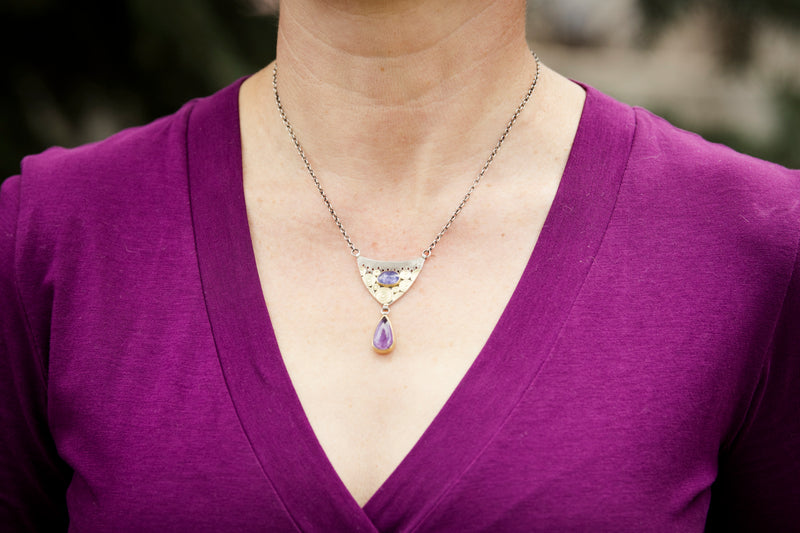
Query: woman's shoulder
(65,198)
(666,161)
(669,157)
(690,186)
(130,160)
(137,172)
(134,161)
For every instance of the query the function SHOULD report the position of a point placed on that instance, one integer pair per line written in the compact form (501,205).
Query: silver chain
(429,250)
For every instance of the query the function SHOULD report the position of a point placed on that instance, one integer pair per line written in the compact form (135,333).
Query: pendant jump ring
(385,310)
(355,252)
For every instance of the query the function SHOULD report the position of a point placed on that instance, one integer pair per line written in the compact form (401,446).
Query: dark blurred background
(78,71)
(727,69)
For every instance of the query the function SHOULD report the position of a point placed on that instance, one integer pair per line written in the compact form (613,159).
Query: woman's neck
(402,89)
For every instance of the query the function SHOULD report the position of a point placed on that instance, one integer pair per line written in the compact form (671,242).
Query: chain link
(429,250)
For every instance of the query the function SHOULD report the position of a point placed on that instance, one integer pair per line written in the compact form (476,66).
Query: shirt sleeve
(33,479)
(758,486)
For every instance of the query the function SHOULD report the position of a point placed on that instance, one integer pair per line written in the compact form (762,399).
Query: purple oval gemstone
(389,278)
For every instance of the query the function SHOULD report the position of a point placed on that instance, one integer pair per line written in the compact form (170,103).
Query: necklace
(387,281)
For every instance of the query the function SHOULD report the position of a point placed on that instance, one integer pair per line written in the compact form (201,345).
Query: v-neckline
(265,400)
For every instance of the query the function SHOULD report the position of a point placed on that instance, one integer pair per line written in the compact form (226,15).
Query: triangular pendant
(387,281)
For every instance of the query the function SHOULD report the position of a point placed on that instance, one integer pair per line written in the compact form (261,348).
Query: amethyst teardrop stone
(390,278)
(383,339)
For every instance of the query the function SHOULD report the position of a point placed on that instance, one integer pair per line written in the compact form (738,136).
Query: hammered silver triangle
(390,288)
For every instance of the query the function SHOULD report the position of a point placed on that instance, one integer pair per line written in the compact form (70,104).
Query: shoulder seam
(32,339)
(757,393)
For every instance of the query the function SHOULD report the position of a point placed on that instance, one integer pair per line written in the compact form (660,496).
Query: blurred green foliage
(77,69)
(736,24)
(736,20)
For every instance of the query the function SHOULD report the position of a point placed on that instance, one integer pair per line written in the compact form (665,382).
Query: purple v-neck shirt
(646,369)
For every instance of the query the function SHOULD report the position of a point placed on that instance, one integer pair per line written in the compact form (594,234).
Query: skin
(397,104)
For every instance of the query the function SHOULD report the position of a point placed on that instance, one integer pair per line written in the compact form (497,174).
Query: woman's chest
(368,410)
(604,434)
(582,397)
